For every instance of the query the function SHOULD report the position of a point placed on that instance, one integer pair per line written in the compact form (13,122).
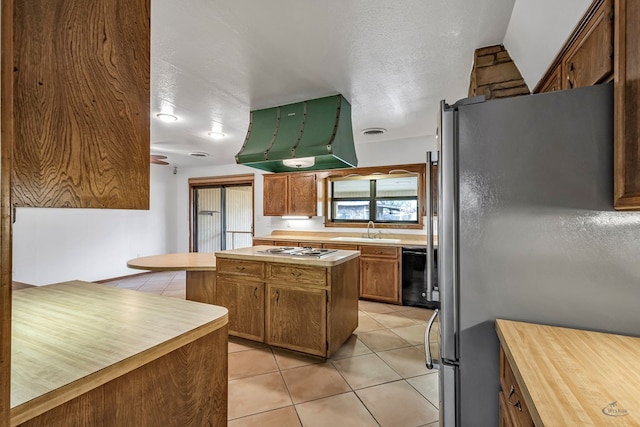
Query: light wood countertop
(253,254)
(188,261)
(328,237)
(572,377)
(71,337)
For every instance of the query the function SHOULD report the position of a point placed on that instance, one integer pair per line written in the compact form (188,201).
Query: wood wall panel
(81,107)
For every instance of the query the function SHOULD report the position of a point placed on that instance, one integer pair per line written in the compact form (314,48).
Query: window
(380,198)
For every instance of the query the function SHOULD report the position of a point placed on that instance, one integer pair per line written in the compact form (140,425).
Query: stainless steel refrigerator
(527,231)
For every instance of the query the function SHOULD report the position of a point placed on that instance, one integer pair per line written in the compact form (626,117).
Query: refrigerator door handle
(427,347)
(430,258)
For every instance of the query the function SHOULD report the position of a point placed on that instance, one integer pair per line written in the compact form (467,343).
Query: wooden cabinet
(380,273)
(240,288)
(589,60)
(605,46)
(290,194)
(80,101)
(553,82)
(627,106)
(306,308)
(245,302)
(296,318)
(513,410)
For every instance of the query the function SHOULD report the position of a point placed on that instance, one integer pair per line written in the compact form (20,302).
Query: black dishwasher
(414,278)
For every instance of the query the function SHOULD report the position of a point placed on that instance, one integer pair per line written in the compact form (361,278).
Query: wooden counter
(254,253)
(303,304)
(200,268)
(320,237)
(570,377)
(80,350)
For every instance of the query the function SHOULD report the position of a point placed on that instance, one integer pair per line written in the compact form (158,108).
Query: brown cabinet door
(590,59)
(303,194)
(553,82)
(379,279)
(81,104)
(297,318)
(275,198)
(627,107)
(245,302)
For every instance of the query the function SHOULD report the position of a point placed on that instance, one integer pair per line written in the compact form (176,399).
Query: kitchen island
(89,354)
(306,304)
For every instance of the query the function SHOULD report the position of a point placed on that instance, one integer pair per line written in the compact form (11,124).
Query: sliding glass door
(222,217)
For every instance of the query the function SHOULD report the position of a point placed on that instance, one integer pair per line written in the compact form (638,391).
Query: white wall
(537,30)
(54,245)
(393,152)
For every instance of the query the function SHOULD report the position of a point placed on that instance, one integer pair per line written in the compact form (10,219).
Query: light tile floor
(377,378)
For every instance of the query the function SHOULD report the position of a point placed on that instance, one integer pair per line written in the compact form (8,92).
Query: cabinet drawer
(381,251)
(515,408)
(342,246)
(294,274)
(239,267)
(259,242)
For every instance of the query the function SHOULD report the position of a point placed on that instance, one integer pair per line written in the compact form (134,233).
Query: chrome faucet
(372,224)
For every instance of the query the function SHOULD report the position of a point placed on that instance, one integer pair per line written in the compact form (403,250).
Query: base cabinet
(380,273)
(297,318)
(513,410)
(305,308)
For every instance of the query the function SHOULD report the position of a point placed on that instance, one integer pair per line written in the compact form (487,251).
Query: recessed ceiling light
(216,135)
(373,131)
(165,117)
(199,154)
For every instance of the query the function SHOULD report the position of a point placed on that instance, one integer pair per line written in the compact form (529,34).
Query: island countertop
(71,337)
(254,253)
(574,377)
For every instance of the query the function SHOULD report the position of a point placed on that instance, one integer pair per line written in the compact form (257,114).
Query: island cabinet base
(309,307)
(186,387)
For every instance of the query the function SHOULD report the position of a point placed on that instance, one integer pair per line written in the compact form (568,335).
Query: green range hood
(309,135)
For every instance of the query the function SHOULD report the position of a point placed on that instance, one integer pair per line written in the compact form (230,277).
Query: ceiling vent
(309,135)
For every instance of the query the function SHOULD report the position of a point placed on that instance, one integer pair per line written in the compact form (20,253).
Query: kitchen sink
(365,239)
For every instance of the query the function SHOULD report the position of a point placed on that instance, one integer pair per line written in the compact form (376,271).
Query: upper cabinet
(627,106)
(81,74)
(587,57)
(290,194)
(604,47)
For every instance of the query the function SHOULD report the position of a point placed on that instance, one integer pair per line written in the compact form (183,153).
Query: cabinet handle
(241,268)
(277,296)
(569,75)
(255,292)
(517,404)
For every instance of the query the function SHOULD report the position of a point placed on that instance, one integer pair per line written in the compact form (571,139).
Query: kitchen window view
(391,199)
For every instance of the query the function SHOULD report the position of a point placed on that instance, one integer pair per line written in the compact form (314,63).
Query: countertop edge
(289,259)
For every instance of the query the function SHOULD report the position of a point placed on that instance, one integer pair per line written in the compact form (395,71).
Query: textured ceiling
(213,61)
